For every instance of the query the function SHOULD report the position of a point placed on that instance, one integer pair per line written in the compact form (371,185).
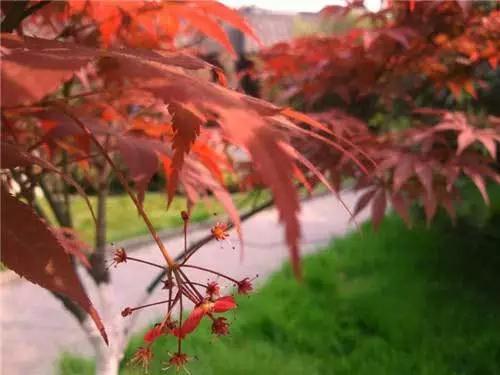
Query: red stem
(179,340)
(210,271)
(145,262)
(190,284)
(150,304)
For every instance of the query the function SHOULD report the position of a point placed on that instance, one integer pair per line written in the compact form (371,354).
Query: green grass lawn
(124,221)
(400,301)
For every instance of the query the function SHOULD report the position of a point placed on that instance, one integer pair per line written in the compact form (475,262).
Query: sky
(295,5)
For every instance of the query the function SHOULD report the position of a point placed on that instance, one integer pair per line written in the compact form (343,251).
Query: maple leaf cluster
(412,62)
(84,103)
(140,24)
(404,50)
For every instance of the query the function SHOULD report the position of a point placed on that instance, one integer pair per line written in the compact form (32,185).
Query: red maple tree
(407,94)
(100,90)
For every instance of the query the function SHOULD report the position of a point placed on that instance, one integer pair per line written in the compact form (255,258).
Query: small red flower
(126,311)
(245,286)
(120,256)
(220,305)
(155,332)
(219,231)
(142,357)
(220,326)
(178,360)
(213,290)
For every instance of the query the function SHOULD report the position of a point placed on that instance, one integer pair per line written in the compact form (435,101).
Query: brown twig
(203,241)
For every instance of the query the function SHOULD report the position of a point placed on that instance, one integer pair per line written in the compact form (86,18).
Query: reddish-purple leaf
(479,182)
(489,143)
(310,166)
(400,205)
(424,173)
(402,172)
(465,139)
(274,166)
(430,206)
(202,22)
(448,205)
(72,244)
(51,62)
(187,122)
(228,15)
(363,201)
(30,249)
(13,156)
(141,161)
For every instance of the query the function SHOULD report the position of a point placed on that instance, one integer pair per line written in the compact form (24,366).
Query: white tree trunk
(107,358)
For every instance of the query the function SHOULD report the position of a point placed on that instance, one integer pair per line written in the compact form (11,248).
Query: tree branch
(203,241)
(14,17)
(18,12)
(55,205)
(99,272)
(32,9)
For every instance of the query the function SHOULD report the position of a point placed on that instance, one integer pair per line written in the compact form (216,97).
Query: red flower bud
(213,290)
(220,327)
(178,360)
(142,357)
(120,256)
(184,215)
(245,286)
(126,311)
(219,231)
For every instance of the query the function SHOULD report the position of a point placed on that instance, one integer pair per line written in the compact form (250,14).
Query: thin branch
(99,271)
(145,262)
(32,9)
(211,271)
(203,241)
(150,304)
(190,250)
(65,190)
(190,284)
(53,203)
(170,261)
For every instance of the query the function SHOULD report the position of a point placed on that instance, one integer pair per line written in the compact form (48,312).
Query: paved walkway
(35,328)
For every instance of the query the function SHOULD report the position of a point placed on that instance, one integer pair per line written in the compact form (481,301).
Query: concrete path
(35,328)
